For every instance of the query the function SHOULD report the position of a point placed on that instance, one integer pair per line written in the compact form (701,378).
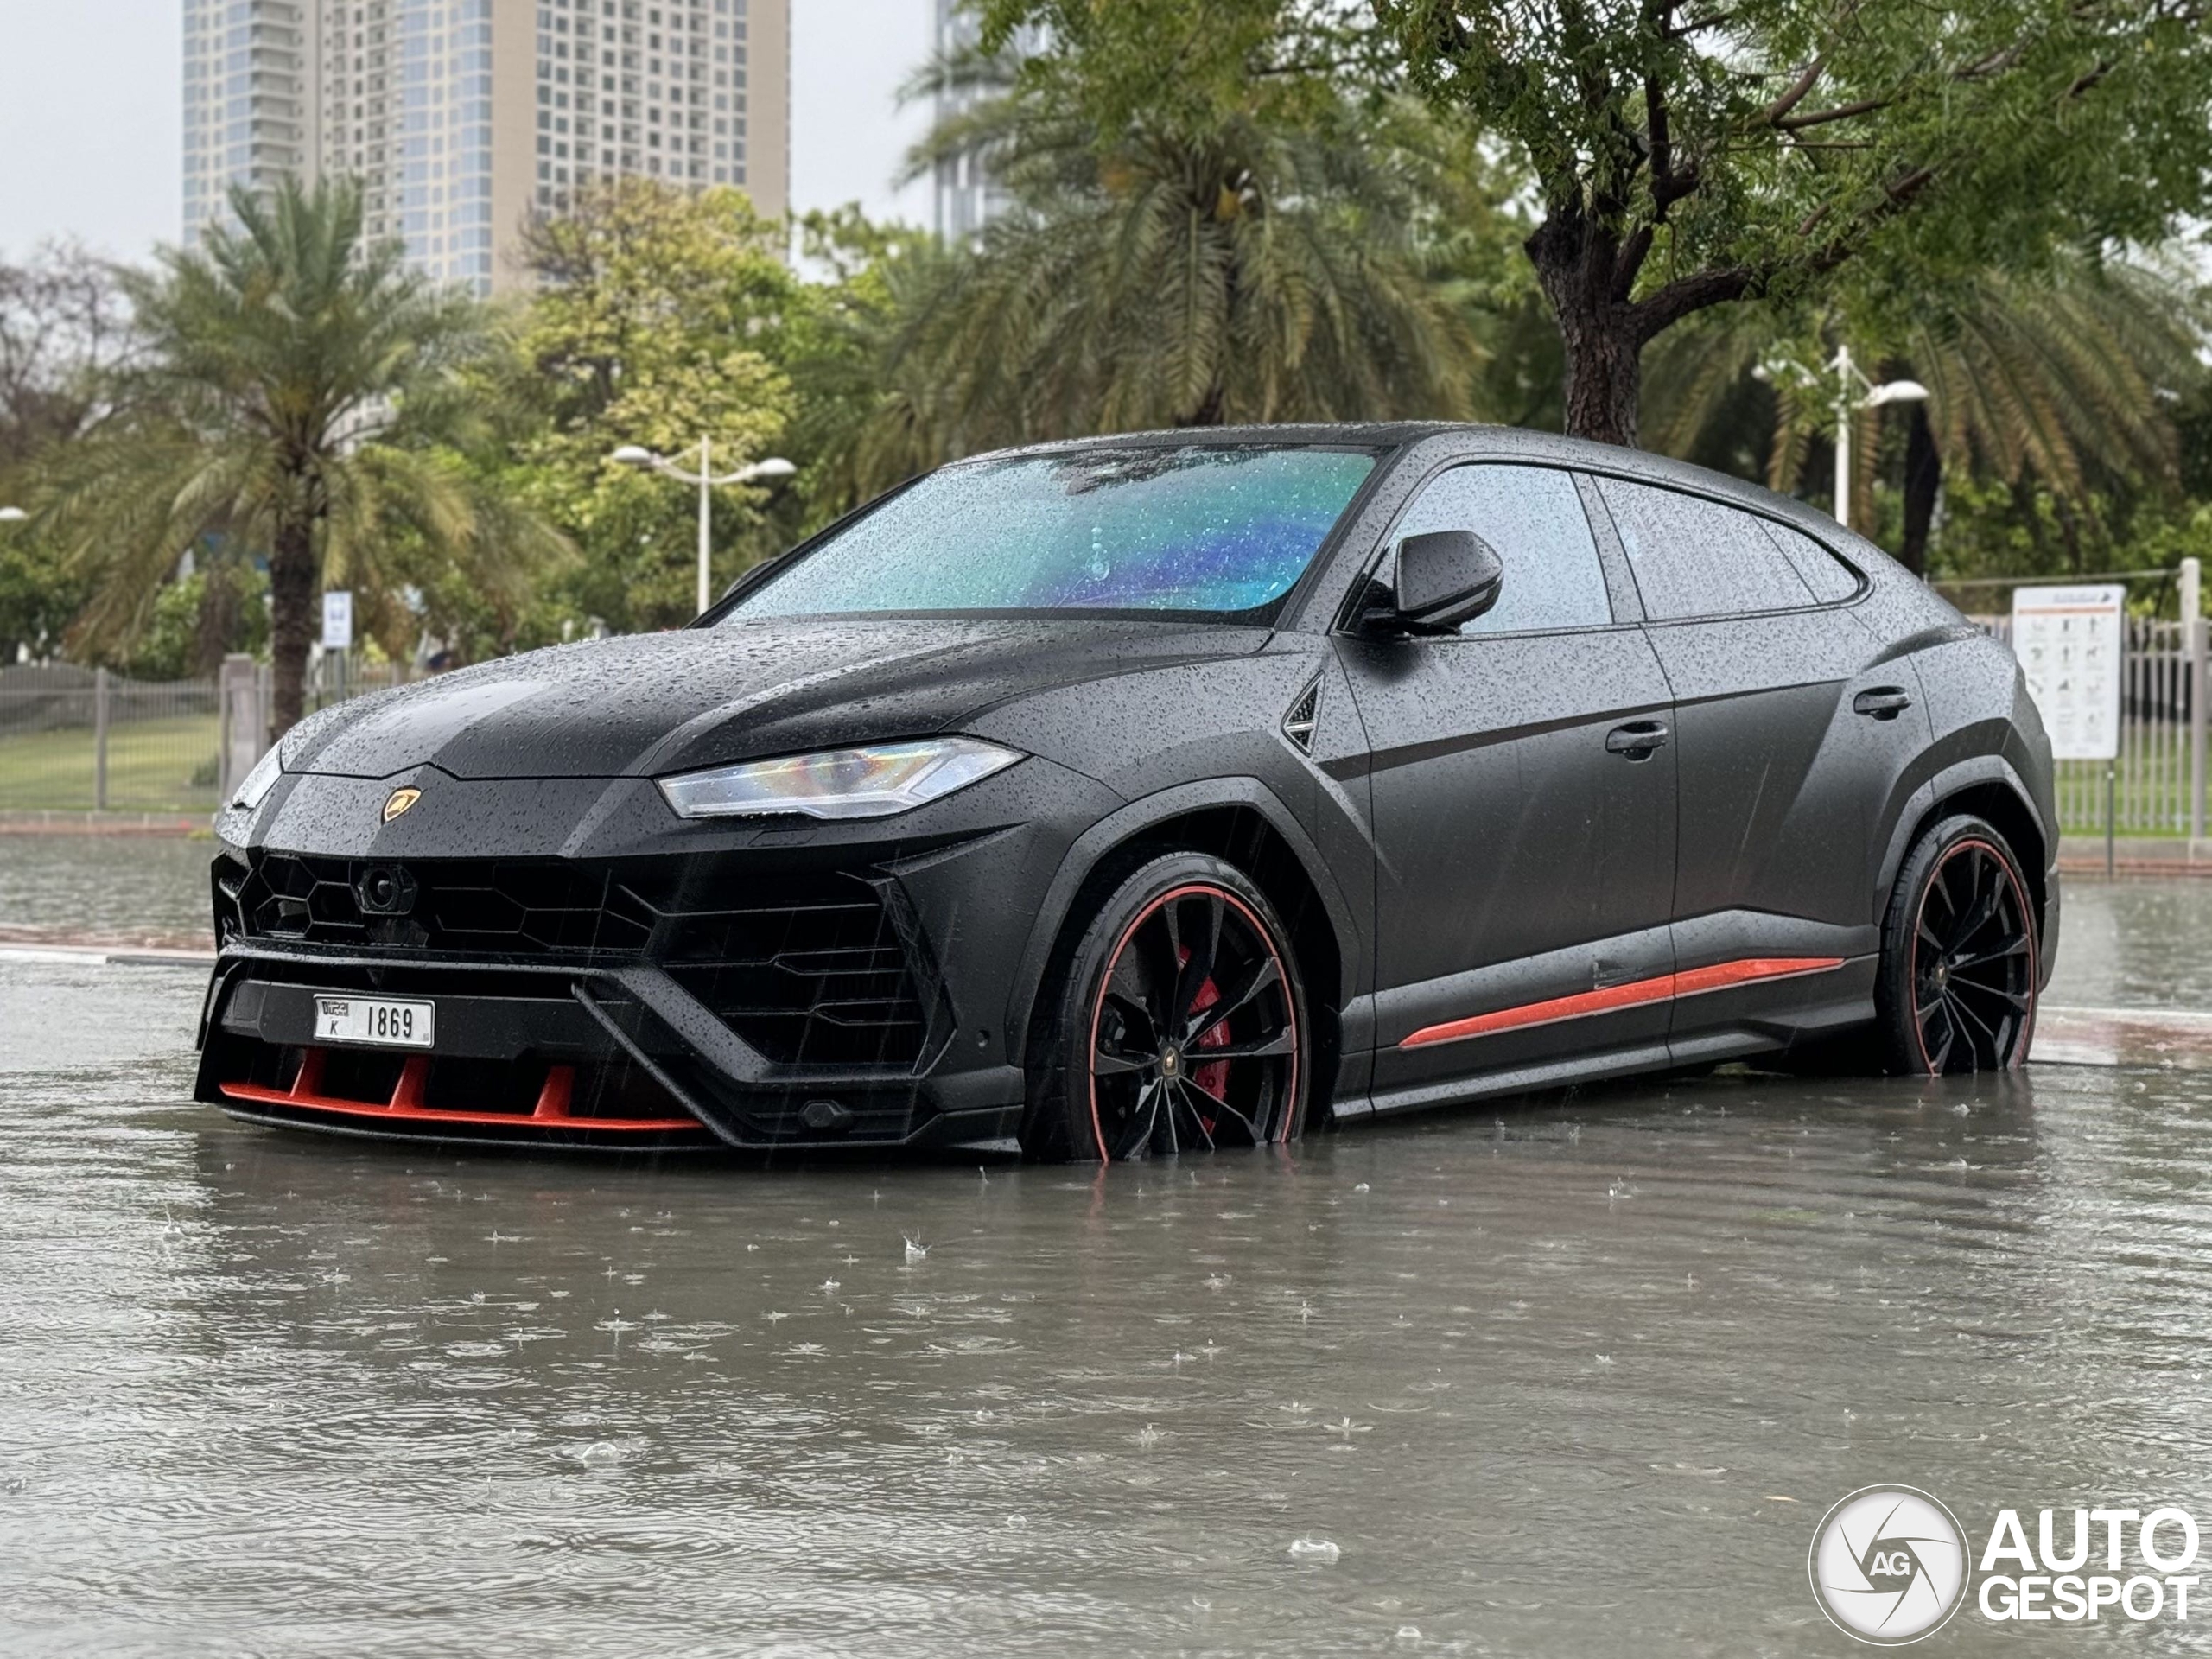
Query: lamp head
(631,455)
(1896,391)
(775,466)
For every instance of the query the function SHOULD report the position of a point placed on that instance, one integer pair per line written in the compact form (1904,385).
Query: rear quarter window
(1695,557)
(1827,575)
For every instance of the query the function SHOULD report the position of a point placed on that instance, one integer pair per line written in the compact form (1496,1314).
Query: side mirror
(1444,578)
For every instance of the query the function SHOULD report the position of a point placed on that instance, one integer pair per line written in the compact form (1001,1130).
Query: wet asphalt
(1571,1376)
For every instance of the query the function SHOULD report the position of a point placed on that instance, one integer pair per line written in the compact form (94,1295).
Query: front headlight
(865,783)
(254,787)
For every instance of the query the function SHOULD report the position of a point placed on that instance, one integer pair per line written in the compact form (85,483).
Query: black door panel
(1785,785)
(1518,859)
(1795,735)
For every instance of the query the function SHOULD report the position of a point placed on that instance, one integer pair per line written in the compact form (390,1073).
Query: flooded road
(1573,1378)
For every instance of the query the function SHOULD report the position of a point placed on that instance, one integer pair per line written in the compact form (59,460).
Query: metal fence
(84,740)
(2153,784)
(78,739)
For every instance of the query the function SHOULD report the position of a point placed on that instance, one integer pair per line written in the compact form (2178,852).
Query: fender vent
(1305,713)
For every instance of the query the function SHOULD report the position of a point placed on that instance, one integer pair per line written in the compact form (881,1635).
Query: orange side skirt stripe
(1659,988)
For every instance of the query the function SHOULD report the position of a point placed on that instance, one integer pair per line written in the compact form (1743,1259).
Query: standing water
(1572,1377)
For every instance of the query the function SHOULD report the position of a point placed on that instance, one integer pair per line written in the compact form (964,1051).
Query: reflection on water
(1568,1379)
(2136,944)
(106,887)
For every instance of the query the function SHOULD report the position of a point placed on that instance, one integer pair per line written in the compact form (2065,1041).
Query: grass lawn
(150,766)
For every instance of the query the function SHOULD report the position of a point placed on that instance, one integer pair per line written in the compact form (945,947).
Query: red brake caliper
(1213,1079)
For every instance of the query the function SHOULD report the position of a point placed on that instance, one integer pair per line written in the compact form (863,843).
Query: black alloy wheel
(1180,1023)
(1957,991)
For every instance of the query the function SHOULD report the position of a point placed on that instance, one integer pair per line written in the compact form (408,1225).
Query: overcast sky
(90,117)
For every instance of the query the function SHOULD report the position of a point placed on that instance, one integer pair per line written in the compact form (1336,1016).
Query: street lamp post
(775,466)
(1854,391)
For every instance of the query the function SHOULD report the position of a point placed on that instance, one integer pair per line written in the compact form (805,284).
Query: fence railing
(88,740)
(84,739)
(2153,784)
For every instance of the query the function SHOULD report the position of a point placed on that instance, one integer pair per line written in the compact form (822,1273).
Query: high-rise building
(462,118)
(968,197)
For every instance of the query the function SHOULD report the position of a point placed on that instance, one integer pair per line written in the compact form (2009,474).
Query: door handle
(1637,738)
(1883,702)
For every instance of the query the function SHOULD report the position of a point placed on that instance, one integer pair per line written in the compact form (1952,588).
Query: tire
(1961,961)
(1109,1079)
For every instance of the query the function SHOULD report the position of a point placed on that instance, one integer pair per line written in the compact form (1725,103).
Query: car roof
(1470,438)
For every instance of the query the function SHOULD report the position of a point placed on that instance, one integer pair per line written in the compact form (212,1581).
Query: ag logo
(1889,1564)
(398,801)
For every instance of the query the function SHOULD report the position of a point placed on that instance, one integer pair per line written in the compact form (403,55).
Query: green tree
(1684,156)
(1245,248)
(298,392)
(64,328)
(1689,156)
(2064,381)
(658,318)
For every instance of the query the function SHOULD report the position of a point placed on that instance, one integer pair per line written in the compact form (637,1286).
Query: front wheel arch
(1238,819)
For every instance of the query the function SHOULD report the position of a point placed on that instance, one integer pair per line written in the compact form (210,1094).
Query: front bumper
(570,1055)
(740,987)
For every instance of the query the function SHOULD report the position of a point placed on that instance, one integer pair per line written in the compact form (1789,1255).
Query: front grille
(807,965)
(819,978)
(465,907)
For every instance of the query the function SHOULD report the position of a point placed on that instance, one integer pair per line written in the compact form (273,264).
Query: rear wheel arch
(2002,805)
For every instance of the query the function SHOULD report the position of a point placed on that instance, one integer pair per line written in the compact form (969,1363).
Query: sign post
(2071,645)
(338,629)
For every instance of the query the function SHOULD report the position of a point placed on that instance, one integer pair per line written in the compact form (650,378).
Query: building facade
(464,117)
(967,196)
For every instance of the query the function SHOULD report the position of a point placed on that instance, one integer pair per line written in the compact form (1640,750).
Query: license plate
(375,1020)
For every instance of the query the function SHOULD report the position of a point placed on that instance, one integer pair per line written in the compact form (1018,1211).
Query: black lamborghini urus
(1157,793)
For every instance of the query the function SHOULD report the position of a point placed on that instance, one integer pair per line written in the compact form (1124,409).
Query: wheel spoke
(1146,1113)
(1280,1042)
(1968,1017)
(1226,1109)
(1938,1053)
(1263,974)
(1131,1000)
(1197,967)
(2016,1000)
(2018,947)
(1119,1062)
(1985,906)
(1183,1092)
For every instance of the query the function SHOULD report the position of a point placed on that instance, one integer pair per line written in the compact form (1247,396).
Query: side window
(1533,516)
(1828,576)
(1693,557)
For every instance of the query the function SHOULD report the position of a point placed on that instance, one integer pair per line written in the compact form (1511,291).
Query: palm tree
(297,394)
(2065,379)
(1257,268)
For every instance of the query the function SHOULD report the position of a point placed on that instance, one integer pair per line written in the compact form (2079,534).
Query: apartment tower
(463,117)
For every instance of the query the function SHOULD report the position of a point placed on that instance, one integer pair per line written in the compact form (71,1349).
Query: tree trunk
(218,622)
(1575,265)
(291,620)
(1604,379)
(1923,480)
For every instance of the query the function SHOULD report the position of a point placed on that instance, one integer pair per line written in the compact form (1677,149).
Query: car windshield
(1209,530)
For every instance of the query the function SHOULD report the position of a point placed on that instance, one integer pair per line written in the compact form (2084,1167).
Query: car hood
(663,702)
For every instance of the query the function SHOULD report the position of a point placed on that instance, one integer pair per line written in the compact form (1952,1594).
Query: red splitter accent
(407,1095)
